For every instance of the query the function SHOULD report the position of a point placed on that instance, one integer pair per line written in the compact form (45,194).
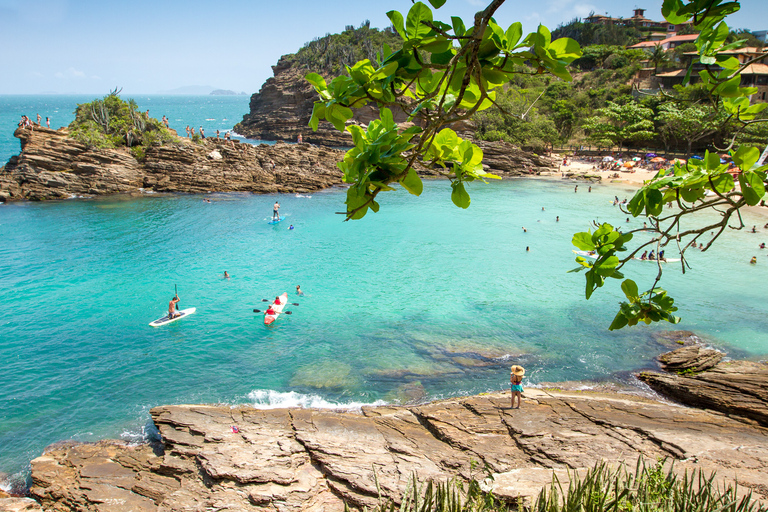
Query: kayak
(268,319)
(165,320)
(593,256)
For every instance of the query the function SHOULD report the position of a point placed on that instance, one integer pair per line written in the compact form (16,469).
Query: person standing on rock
(48,122)
(275,211)
(217,133)
(187,131)
(202,133)
(516,384)
(300,139)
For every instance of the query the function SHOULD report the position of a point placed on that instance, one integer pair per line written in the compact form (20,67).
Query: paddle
(176,291)
(282,313)
(291,303)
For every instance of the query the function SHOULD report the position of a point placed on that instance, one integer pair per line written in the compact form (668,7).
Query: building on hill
(639,21)
(755,74)
(667,43)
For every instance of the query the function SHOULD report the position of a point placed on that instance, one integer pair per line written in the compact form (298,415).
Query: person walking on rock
(516,384)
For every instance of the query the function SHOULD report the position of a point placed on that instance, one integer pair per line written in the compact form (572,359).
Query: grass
(602,488)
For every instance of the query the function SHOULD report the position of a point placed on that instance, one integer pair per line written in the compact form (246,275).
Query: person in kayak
(277,301)
(269,311)
(172,313)
(275,211)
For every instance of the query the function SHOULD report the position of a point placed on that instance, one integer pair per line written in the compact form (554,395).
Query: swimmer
(226,276)
(290,227)
(557,219)
(298,290)
(753,260)
(524,230)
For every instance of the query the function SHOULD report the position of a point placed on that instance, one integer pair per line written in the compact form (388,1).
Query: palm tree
(658,57)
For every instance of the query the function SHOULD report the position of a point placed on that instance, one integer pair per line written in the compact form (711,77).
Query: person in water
(290,227)
(172,313)
(753,260)
(226,276)
(275,211)
(298,290)
(516,384)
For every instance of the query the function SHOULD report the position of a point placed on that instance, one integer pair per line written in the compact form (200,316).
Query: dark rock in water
(222,457)
(673,338)
(736,388)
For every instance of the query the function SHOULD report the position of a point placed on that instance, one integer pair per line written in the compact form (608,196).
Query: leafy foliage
(112,122)
(617,124)
(443,73)
(598,34)
(332,53)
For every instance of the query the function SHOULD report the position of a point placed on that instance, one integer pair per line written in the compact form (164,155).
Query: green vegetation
(333,52)
(112,122)
(596,33)
(649,488)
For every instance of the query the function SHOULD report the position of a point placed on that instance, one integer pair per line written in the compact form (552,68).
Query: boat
(593,255)
(165,320)
(268,319)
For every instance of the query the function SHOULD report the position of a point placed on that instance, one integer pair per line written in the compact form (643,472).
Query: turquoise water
(211,112)
(420,301)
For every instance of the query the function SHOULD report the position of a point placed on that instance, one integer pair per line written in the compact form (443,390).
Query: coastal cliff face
(54,166)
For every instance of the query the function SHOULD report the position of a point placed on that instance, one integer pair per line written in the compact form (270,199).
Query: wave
(271,399)
(299,195)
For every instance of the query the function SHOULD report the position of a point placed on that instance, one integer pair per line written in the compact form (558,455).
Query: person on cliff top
(516,384)
(217,133)
(275,211)
(48,122)
(172,313)
(39,119)
(202,133)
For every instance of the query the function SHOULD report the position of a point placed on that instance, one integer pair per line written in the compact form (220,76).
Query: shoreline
(299,459)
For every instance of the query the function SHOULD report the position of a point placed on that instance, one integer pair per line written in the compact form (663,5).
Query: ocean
(420,301)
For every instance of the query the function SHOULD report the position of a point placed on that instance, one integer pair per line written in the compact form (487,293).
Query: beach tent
(607,159)
(658,159)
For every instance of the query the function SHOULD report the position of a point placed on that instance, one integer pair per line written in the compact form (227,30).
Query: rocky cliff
(54,166)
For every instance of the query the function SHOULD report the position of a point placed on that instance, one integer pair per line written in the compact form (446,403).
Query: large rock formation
(237,458)
(702,379)
(54,166)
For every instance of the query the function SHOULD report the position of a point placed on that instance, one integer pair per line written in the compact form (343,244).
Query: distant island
(226,92)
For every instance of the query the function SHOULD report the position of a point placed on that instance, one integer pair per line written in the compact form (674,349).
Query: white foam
(271,399)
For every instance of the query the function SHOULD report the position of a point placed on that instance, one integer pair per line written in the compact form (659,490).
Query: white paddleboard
(165,320)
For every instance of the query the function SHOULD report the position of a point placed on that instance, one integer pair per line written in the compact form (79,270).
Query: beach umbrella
(650,155)
(636,159)
(607,159)
(697,157)
(679,161)
(658,159)
(629,164)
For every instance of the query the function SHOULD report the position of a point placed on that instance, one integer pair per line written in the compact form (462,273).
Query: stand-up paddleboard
(268,319)
(165,320)
(275,221)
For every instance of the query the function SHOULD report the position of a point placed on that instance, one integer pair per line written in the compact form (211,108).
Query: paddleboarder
(172,313)
(275,211)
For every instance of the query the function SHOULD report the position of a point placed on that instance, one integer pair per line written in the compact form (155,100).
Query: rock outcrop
(702,379)
(237,458)
(54,166)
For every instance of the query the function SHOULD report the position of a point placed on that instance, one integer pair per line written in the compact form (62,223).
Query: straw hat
(518,370)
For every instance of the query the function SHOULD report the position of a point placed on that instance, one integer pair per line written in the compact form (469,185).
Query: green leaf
(619,321)
(670,10)
(386,118)
(583,241)
(397,21)
(752,187)
(459,196)
(458,26)
(414,25)
(629,287)
(412,183)
(316,80)
(437,3)
(566,49)
(513,35)
(318,111)
(746,157)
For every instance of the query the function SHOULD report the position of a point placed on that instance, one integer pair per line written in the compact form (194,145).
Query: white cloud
(75,73)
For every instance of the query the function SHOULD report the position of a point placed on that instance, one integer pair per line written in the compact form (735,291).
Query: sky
(148,47)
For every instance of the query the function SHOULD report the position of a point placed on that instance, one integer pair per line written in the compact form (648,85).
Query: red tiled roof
(756,69)
(647,44)
(686,37)
(672,74)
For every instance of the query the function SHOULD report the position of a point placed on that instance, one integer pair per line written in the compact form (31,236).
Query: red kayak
(277,308)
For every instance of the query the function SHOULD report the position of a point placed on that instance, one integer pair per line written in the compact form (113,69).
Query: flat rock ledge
(699,377)
(241,458)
